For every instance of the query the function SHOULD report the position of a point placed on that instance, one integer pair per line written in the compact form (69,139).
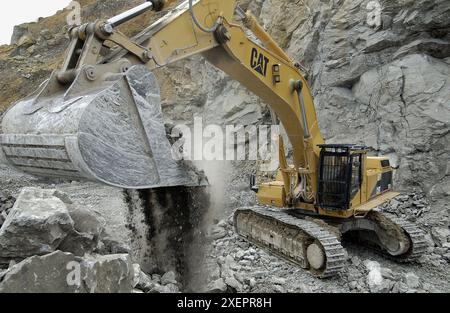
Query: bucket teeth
(114,134)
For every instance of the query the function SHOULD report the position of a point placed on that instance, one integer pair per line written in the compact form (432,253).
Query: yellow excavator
(99,117)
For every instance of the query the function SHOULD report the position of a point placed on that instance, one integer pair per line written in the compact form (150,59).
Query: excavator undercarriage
(99,117)
(315,243)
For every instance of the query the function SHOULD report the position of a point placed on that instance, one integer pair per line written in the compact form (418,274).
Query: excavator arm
(217,29)
(260,65)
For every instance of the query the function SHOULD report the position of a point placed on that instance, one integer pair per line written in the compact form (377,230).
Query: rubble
(234,265)
(410,206)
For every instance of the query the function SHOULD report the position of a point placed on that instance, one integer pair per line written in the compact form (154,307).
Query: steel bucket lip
(71,147)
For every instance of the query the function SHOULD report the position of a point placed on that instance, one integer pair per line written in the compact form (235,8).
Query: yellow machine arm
(260,65)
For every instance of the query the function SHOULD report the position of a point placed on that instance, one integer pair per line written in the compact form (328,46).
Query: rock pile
(155,283)
(235,265)
(48,244)
(410,206)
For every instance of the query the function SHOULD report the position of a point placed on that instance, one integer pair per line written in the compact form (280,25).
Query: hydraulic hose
(197,23)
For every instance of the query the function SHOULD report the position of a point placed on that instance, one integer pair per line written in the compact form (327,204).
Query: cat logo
(259,62)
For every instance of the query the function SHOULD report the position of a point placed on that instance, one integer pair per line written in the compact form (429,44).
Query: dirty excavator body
(99,117)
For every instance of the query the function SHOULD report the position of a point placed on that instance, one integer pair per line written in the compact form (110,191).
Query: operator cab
(340,175)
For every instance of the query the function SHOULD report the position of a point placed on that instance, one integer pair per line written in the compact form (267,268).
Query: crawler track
(416,236)
(289,238)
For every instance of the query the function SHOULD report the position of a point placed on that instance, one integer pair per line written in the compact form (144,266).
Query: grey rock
(112,246)
(18,32)
(46,34)
(440,251)
(356,261)
(109,273)
(87,221)
(278,281)
(217,286)
(37,224)
(374,279)
(169,278)
(382,40)
(222,224)
(88,226)
(387,273)
(233,283)
(400,287)
(141,280)
(170,288)
(240,254)
(52,273)
(447,257)
(435,47)
(216,233)
(385,287)
(157,288)
(440,235)
(280,289)
(412,280)
(156,278)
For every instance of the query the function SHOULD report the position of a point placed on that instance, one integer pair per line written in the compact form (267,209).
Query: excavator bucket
(114,134)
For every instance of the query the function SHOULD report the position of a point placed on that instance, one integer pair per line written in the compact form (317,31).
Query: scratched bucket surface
(115,135)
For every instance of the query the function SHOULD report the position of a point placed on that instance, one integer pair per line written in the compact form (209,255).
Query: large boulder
(43,221)
(36,225)
(43,274)
(63,272)
(85,237)
(109,274)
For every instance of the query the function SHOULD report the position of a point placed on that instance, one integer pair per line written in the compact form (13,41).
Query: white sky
(15,12)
